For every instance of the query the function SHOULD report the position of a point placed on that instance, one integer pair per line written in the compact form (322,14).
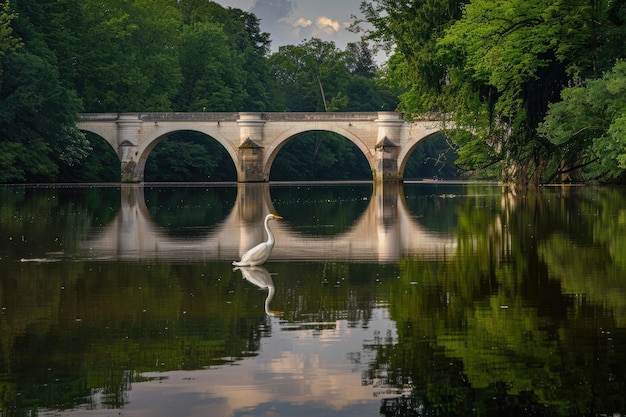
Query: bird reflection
(259,276)
(259,254)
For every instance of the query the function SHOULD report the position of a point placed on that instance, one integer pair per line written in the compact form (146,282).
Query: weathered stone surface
(385,138)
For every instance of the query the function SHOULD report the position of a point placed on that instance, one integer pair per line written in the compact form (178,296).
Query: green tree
(222,56)
(432,158)
(363,87)
(516,57)
(38,110)
(254,46)
(360,60)
(129,56)
(212,75)
(311,76)
(244,71)
(411,30)
(590,120)
(100,165)
(8,42)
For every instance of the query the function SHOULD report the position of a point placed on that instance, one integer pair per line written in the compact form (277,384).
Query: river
(427,298)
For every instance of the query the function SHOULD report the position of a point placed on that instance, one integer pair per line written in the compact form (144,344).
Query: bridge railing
(98,117)
(161,116)
(270,116)
(234,116)
(314,116)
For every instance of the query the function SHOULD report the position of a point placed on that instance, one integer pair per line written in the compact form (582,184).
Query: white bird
(259,254)
(259,276)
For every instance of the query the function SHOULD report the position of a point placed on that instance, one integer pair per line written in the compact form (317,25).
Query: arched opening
(432,158)
(189,156)
(320,156)
(101,165)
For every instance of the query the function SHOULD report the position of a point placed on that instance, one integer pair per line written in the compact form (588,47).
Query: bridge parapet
(99,117)
(234,116)
(190,116)
(321,116)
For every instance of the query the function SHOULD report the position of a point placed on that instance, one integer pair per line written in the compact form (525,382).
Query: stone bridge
(254,139)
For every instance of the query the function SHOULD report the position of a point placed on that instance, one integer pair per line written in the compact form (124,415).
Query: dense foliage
(39,109)
(497,66)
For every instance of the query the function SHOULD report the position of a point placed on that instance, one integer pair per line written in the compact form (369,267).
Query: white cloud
(302,22)
(326,23)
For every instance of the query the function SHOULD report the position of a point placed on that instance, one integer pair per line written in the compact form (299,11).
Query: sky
(290,22)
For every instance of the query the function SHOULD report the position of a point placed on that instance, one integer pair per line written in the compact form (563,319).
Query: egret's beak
(278,217)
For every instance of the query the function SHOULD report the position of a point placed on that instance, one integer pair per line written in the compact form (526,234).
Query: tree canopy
(591,117)
(38,112)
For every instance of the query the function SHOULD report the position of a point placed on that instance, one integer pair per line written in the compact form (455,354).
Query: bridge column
(387,149)
(128,127)
(250,150)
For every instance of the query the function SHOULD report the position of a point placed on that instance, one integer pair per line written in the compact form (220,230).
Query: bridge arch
(271,151)
(103,130)
(152,141)
(407,150)
(103,161)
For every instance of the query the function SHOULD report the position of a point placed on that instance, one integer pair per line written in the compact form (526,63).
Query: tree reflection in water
(527,318)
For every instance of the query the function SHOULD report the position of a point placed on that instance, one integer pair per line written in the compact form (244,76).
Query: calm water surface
(423,299)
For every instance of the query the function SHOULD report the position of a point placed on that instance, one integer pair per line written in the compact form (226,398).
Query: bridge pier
(387,162)
(390,126)
(128,128)
(250,162)
(251,151)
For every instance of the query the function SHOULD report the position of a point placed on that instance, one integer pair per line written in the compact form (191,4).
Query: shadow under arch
(408,152)
(102,164)
(272,150)
(187,155)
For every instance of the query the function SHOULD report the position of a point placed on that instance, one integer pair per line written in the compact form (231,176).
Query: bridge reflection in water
(384,232)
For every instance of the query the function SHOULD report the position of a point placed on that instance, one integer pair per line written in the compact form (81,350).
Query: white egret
(259,254)
(259,276)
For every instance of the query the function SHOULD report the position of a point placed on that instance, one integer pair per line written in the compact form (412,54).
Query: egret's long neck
(270,236)
(270,295)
